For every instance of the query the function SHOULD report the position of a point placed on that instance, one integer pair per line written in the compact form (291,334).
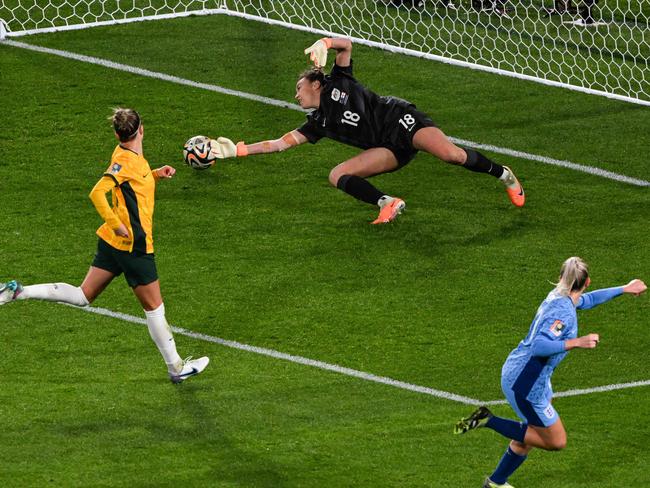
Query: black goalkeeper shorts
(400,130)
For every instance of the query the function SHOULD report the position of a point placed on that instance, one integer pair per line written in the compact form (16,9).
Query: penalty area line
(586,391)
(592,170)
(349,371)
(292,358)
(279,103)
(150,74)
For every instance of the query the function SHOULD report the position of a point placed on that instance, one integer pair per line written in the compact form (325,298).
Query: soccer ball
(197,152)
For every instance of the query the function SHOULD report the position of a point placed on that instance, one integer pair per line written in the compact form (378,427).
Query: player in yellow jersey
(125,243)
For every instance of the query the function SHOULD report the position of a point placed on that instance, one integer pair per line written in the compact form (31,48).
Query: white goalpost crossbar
(600,47)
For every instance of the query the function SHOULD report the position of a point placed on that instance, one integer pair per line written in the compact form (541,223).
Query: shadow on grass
(225,460)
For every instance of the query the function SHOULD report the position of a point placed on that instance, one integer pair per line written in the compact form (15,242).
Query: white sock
(505,175)
(55,292)
(385,200)
(162,336)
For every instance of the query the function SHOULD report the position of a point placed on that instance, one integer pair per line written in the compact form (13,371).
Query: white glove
(318,52)
(222,148)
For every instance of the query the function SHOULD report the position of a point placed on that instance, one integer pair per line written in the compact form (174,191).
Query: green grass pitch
(263,251)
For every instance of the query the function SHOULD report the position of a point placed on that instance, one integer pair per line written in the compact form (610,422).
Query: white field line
(585,391)
(4,31)
(554,162)
(433,57)
(129,20)
(294,359)
(279,103)
(348,371)
(299,359)
(151,74)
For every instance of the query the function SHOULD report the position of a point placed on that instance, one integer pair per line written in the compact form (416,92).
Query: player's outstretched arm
(635,287)
(597,297)
(287,141)
(543,347)
(318,51)
(224,148)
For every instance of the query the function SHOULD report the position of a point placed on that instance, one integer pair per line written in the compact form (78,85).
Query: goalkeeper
(389,130)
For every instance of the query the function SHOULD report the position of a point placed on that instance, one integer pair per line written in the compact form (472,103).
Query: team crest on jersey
(116,168)
(557,328)
(339,96)
(549,411)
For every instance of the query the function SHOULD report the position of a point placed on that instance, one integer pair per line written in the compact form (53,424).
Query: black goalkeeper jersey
(352,114)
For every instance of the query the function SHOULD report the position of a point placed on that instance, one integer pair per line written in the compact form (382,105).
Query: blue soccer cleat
(9,291)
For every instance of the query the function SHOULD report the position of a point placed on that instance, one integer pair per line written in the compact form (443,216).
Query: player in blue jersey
(390,131)
(526,374)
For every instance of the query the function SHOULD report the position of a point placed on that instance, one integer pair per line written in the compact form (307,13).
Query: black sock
(359,188)
(479,163)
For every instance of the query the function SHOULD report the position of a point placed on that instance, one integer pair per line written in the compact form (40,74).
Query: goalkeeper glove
(223,148)
(318,51)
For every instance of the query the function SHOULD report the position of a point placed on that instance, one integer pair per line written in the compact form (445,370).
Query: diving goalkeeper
(389,130)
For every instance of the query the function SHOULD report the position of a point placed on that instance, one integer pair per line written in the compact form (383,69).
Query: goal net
(22,17)
(594,46)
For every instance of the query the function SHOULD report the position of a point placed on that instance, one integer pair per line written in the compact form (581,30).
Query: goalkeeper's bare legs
(370,162)
(436,143)
(350,177)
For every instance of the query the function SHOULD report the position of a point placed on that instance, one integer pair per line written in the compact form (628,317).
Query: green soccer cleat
(9,291)
(477,419)
(491,484)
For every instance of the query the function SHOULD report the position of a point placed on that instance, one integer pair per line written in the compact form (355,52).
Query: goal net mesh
(600,46)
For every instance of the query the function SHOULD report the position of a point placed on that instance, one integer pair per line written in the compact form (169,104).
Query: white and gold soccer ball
(197,152)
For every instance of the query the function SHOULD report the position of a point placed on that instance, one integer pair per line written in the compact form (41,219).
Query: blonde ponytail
(573,276)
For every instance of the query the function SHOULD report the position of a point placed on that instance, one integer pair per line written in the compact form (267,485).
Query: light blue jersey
(526,374)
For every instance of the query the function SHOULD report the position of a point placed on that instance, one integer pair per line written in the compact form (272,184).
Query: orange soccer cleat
(390,210)
(514,189)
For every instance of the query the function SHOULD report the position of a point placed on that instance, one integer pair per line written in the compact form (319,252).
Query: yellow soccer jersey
(132,185)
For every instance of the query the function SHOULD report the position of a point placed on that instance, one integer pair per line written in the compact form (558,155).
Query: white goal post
(594,46)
